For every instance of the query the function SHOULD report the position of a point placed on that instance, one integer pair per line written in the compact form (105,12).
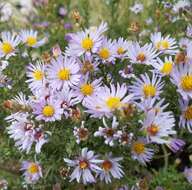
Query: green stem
(166,157)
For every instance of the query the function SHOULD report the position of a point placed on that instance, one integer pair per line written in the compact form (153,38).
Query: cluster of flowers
(76,78)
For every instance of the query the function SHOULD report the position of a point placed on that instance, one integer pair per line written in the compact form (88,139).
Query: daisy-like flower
(188,174)
(86,88)
(137,8)
(81,133)
(140,152)
(29,37)
(189,31)
(164,67)
(127,72)
(181,5)
(186,115)
(144,87)
(142,54)
(86,41)
(21,130)
(108,133)
(184,43)
(166,45)
(24,133)
(67,99)
(123,137)
(121,47)
(175,144)
(159,127)
(106,51)
(84,166)
(8,44)
(182,78)
(32,171)
(47,109)
(63,72)
(107,100)
(152,104)
(36,75)
(110,168)
(88,64)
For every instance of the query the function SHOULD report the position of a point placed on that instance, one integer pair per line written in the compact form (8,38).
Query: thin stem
(166,157)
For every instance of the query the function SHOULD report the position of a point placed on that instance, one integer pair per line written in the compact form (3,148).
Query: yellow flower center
(48,111)
(149,90)
(120,51)
(38,75)
(186,83)
(153,129)
(86,89)
(113,103)
(87,43)
(64,74)
(141,57)
(162,44)
(167,68)
(33,168)
(104,53)
(188,113)
(138,147)
(107,165)
(31,41)
(6,48)
(83,164)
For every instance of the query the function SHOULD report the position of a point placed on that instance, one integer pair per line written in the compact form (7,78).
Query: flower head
(29,37)
(84,166)
(32,171)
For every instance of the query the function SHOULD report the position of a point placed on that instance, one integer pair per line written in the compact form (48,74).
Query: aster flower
(84,166)
(166,45)
(127,72)
(164,67)
(137,8)
(8,44)
(108,133)
(63,72)
(25,133)
(36,75)
(121,47)
(86,88)
(159,127)
(189,31)
(181,5)
(86,41)
(140,152)
(142,54)
(29,37)
(67,99)
(152,104)
(144,87)
(123,137)
(186,115)
(47,109)
(182,78)
(81,133)
(188,174)
(106,51)
(184,43)
(32,171)
(107,100)
(110,168)
(88,64)
(175,144)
